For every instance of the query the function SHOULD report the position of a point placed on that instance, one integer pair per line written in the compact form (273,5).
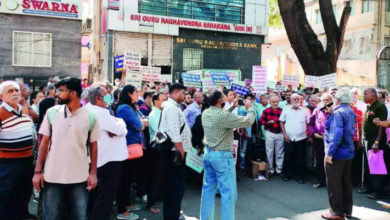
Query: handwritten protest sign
(150,74)
(327,81)
(234,76)
(241,90)
(290,80)
(132,61)
(220,78)
(134,78)
(191,80)
(194,161)
(259,79)
(280,88)
(311,81)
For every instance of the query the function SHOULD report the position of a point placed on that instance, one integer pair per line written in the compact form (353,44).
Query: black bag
(258,152)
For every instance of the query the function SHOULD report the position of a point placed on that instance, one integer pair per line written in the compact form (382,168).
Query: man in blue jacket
(339,151)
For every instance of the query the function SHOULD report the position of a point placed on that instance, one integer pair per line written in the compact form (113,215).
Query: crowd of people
(88,148)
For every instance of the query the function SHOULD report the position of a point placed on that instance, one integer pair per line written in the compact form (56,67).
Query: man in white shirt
(293,121)
(359,104)
(230,96)
(112,151)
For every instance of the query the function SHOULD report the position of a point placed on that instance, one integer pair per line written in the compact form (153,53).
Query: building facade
(179,36)
(368,30)
(40,39)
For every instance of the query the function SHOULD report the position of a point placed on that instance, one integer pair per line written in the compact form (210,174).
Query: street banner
(234,76)
(241,90)
(118,63)
(194,161)
(220,78)
(280,88)
(150,74)
(290,80)
(235,150)
(134,78)
(259,79)
(191,80)
(327,81)
(132,61)
(311,81)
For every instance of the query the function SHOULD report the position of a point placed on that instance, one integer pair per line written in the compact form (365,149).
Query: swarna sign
(70,9)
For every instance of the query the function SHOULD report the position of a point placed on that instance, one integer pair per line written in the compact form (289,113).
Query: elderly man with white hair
(16,151)
(339,151)
(359,103)
(293,122)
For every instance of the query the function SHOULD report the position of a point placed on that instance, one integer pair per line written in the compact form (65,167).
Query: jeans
(320,155)
(102,197)
(72,196)
(219,169)
(274,145)
(15,187)
(244,145)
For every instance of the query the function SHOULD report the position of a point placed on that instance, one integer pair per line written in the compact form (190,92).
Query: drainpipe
(378,38)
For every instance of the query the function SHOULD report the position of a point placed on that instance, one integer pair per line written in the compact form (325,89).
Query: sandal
(330,216)
(154,209)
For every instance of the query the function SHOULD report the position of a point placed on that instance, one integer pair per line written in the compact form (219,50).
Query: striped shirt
(16,133)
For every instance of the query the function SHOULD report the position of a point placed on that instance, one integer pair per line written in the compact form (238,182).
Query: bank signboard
(68,9)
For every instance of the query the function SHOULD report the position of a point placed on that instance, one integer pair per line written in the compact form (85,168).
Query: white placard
(259,79)
(134,78)
(150,74)
(327,81)
(132,61)
(290,80)
(311,81)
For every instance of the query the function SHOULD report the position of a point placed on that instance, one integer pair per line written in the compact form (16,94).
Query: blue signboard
(191,80)
(220,78)
(118,62)
(241,90)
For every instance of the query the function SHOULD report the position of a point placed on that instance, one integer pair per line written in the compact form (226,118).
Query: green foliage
(275,20)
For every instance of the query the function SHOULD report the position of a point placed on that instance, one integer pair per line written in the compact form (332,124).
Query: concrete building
(40,39)
(368,30)
(180,35)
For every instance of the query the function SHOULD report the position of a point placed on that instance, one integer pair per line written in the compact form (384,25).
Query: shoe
(331,216)
(300,181)
(134,207)
(373,196)
(318,185)
(286,179)
(127,216)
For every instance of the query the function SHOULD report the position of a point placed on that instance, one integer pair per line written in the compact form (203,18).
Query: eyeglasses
(63,90)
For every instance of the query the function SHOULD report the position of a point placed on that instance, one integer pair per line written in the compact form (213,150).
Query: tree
(275,20)
(313,57)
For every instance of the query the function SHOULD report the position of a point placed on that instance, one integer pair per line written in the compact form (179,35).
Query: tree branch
(343,26)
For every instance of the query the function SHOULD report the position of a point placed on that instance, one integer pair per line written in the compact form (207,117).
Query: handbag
(135,151)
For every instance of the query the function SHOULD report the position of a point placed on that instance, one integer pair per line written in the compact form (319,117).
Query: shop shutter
(133,42)
(162,50)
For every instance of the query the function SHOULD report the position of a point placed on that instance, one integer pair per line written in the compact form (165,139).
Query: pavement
(274,200)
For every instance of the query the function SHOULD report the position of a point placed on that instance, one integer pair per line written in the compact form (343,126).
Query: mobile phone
(241,102)
(326,106)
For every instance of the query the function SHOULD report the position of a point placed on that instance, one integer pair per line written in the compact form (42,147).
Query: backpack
(91,116)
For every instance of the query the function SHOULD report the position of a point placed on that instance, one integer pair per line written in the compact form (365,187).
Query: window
(32,49)
(192,59)
(387,41)
(352,4)
(367,6)
(387,5)
(318,16)
(347,47)
(361,45)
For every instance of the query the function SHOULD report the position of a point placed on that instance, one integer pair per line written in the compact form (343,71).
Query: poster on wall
(290,80)
(150,74)
(259,79)
(134,78)
(132,61)
(234,76)
(191,80)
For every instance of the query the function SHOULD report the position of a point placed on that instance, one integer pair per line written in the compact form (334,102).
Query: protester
(274,137)
(218,161)
(294,120)
(35,98)
(313,102)
(67,170)
(174,124)
(339,151)
(112,151)
(375,137)
(187,101)
(258,129)
(127,110)
(230,96)
(146,107)
(356,170)
(194,109)
(317,129)
(16,151)
(26,108)
(287,102)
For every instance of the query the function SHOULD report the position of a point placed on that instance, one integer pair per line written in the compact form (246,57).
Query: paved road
(268,200)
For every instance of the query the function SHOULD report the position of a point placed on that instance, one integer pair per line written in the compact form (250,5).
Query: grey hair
(7,83)
(314,96)
(326,95)
(49,88)
(93,93)
(84,94)
(373,91)
(274,96)
(344,95)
